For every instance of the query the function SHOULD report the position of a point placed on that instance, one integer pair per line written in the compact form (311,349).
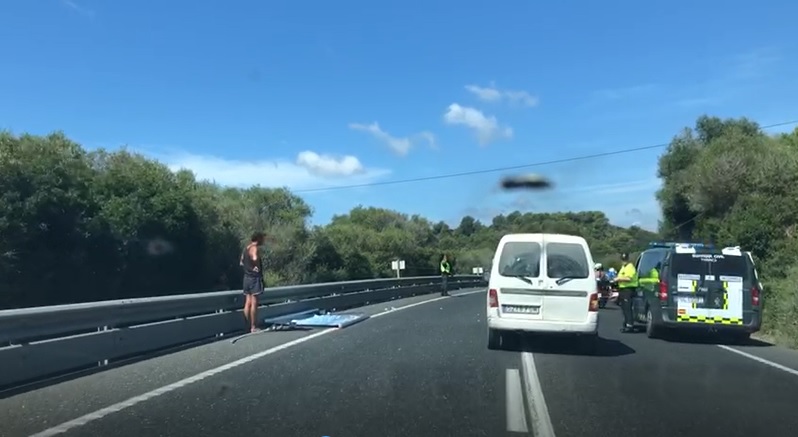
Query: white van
(542,283)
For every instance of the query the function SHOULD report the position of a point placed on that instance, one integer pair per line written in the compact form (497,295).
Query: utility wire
(514,167)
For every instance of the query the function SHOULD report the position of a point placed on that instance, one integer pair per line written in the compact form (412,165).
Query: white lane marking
(516,413)
(761,360)
(423,302)
(99,414)
(538,411)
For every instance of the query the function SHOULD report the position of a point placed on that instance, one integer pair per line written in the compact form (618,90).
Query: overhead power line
(514,167)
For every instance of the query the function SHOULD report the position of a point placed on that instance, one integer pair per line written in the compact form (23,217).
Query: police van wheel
(494,339)
(651,330)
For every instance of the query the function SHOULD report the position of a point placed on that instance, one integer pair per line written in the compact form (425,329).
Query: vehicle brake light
(594,303)
(755,296)
(663,291)
(493,298)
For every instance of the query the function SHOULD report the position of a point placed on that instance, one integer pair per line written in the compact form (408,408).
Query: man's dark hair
(624,256)
(258,237)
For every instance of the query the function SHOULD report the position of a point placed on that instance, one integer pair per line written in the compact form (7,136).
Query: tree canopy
(729,182)
(80,225)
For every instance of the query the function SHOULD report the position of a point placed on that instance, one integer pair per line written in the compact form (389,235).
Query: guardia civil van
(687,286)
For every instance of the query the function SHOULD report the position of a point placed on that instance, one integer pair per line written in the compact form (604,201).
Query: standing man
(627,285)
(253,279)
(446,270)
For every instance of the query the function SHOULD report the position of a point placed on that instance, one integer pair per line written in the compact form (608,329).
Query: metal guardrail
(42,342)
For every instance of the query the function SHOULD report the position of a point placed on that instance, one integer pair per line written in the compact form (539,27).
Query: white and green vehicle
(687,286)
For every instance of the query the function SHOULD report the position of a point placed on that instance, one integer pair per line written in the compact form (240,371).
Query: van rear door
(710,287)
(518,283)
(569,281)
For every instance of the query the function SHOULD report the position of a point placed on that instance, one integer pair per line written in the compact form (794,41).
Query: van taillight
(755,296)
(663,291)
(594,303)
(493,298)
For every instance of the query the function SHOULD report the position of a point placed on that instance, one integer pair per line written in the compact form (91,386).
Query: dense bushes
(82,226)
(729,182)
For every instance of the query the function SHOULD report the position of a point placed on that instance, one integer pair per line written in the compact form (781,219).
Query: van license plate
(516,309)
(689,300)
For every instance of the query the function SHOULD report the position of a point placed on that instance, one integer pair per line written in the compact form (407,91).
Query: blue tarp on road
(330,320)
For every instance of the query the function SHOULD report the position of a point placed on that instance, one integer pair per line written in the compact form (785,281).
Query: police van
(695,286)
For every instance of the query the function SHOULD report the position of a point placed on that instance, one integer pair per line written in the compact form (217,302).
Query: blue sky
(320,94)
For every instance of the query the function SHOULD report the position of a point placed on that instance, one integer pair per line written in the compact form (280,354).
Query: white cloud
(401,146)
(493,94)
(430,138)
(327,165)
(308,171)
(487,128)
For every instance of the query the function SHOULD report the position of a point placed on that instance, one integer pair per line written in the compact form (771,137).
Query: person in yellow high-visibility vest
(446,270)
(627,285)
(647,281)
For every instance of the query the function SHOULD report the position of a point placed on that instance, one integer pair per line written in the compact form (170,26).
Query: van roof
(551,238)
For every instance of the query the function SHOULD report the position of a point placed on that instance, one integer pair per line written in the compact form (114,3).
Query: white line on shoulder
(424,302)
(99,414)
(758,359)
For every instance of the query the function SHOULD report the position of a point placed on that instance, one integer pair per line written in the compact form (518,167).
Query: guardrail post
(105,361)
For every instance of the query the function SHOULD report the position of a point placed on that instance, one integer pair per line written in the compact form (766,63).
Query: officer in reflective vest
(446,270)
(627,285)
(648,282)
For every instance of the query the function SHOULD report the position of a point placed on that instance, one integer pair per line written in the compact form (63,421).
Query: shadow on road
(604,347)
(711,338)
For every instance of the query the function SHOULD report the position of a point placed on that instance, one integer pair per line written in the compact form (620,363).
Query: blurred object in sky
(528,181)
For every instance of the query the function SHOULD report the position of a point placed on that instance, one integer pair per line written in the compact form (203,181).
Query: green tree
(729,182)
(82,226)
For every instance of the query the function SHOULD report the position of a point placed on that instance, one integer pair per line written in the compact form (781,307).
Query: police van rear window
(712,263)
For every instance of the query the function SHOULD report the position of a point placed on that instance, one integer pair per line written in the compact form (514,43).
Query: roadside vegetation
(78,225)
(729,182)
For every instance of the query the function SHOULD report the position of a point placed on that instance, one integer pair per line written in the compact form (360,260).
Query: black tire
(495,338)
(741,338)
(652,331)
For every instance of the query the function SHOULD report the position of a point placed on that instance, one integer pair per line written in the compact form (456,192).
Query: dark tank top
(249,265)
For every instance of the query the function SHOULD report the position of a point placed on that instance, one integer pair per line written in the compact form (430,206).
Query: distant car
(699,288)
(542,283)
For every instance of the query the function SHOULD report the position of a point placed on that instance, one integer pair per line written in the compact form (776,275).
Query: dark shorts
(253,285)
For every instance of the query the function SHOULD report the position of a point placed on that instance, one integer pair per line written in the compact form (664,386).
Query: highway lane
(31,411)
(425,371)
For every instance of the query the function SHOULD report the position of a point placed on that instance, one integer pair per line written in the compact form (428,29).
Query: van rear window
(709,264)
(566,260)
(520,258)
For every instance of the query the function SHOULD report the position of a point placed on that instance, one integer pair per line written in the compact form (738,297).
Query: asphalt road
(425,371)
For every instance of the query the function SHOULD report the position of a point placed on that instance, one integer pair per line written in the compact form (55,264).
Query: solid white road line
(99,414)
(425,302)
(538,411)
(516,413)
(761,360)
